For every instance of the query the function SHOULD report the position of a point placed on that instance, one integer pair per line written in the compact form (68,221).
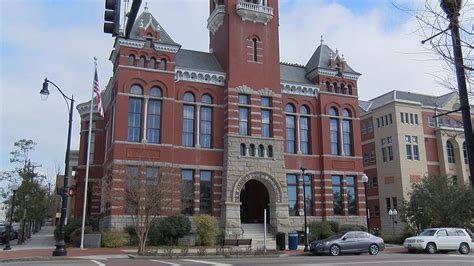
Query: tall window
(337,194)
(290,129)
(304,130)
(412,151)
(205,196)
(187,192)
(152,63)
(308,192)
(152,176)
(131,60)
(266,117)
(188,120)
(347,132)
(244,115)
(205,132)
(154,116)
(141,62)
(254,50)
(163,64)
(351,195)
(334,131)
(464,151)
(134,114)
(450,150)
(243,149)
(292,194)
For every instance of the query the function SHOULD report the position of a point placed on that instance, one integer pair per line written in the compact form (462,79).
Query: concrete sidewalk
(44,239)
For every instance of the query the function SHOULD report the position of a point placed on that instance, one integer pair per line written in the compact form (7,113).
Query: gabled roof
(442,101)
(145,20)
(294,73)
(321,59)
(197,60)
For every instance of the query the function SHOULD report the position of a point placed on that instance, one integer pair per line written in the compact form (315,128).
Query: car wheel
(373,249)
(334,250)
(464,248)
(431,248)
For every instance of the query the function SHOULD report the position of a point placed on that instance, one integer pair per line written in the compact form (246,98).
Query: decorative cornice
(215,78)
(216,19)
(244,89)
(166,47)
(131,43)
(299,89)
(332,73)
(267,92)
(140,44)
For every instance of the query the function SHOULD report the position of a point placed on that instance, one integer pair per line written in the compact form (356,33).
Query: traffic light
(70,192)
(112,17)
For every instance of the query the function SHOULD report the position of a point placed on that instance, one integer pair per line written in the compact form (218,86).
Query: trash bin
(292,241)
(280,241)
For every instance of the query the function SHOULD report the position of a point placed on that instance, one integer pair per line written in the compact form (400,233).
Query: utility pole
(451,8)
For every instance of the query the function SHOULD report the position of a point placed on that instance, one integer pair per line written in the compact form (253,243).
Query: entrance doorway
(254,198)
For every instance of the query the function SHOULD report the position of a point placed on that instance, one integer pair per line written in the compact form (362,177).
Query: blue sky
(58,39)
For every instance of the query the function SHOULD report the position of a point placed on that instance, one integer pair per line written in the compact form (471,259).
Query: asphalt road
(381,259)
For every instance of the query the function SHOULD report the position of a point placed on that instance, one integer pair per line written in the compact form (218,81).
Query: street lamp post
(452,8)
(365,179)
(9,229)
(393,213)
(61,245)
(304,211)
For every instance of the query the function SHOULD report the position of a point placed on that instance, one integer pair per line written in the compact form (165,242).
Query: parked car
(348,242)
(433,240)
(3,232)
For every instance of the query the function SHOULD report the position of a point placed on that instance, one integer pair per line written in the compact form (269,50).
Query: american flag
(96,89)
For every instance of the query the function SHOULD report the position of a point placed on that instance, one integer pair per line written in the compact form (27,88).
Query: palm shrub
(206,229)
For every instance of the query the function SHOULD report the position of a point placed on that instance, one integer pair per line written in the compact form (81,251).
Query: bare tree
(146,194)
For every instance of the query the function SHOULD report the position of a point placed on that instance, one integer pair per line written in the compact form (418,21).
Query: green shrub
(132,235)
(168,230)
(334,226)
(319,230)
(75,236)
(352,227)
(206,230)
(73,224)
(112,239)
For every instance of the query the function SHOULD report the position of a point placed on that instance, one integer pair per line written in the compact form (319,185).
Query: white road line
(98,263)
(208,262)
(389,261)
(169,263)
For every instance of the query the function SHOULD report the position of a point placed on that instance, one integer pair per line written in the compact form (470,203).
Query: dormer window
(149,41)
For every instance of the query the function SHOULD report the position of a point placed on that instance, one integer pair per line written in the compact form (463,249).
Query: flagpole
(89,136)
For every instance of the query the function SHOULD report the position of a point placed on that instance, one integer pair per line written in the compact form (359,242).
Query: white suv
(440,239)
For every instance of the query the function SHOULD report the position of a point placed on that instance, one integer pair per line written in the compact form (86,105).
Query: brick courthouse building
(232,127)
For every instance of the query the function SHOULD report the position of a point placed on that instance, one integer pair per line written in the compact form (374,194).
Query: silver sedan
(348,242)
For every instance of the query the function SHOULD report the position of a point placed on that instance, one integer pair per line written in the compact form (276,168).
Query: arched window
(156,92)
(135,114)
(252,150)
(347,132)
(290,129)
(260,150)
(335,89)
(343,89)
(334,131)
(450,150)
(350,89)
(466,155)
(141,62)
(243,149)
(254,49)
(188,120)
(206,98)
(131,60)
(205,137)
(328,86)
(149,41)
(304,129)
(163,64)
(152,63)
(270,151)
(136,89)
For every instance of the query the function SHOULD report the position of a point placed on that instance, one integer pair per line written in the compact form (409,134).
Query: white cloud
(58,41)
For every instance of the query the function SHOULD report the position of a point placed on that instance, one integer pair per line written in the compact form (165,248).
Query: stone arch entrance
(254,199)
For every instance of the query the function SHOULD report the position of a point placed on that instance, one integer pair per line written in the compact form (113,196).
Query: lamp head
(365,178)
(44,93)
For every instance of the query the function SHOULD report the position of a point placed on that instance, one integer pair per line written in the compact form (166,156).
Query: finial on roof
(146,7)
(322,39)
(337,52)
(342,58)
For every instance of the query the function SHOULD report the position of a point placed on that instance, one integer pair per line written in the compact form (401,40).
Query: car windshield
(428,233)
(336,236)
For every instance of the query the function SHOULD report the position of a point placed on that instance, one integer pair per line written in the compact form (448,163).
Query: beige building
(402,142)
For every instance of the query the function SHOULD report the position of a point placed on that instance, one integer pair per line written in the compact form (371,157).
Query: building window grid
(187,192)
(205,195)
(134,119)
(188,125)
(154,121)
(205,138)
(266,117)
(304,134)
(450,152)
(292,187)
(244,115)
(337,194)
(412,150)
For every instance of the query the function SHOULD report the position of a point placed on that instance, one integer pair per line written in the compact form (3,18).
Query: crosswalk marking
(165,262)
(98,263)
(208,262)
